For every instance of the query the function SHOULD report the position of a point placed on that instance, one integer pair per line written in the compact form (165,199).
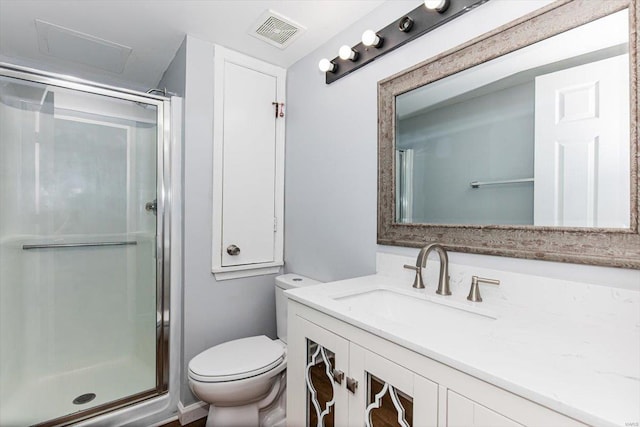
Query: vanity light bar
(408,27)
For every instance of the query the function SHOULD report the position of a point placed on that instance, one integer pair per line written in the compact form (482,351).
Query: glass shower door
(80,272)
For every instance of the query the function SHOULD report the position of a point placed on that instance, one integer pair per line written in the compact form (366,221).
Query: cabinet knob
(338,376)
(233,250)
(352,385)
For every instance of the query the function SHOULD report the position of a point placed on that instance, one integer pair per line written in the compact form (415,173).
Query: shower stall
(84,247)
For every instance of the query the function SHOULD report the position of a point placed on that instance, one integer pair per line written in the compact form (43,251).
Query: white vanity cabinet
(462,412)
(395,386)
(346,384)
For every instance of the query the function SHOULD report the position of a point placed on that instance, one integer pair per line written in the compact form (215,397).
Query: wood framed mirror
(522,142)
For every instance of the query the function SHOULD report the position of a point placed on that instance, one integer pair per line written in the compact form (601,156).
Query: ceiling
(154,30)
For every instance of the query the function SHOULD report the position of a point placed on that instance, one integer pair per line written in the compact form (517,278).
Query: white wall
(331,157)
(213,312)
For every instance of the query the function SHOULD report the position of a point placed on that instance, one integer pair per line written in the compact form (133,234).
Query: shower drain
(84,398)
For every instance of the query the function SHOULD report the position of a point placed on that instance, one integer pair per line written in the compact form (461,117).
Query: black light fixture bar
(421,20)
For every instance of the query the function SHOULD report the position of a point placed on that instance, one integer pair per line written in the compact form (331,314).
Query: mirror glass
(539,136)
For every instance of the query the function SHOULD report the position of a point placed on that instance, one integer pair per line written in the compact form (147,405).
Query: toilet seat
(236,360)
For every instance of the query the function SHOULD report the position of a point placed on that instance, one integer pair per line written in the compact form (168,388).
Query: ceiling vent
(276,30)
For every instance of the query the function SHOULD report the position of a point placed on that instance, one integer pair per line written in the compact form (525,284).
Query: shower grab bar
(76,245)
(477,184)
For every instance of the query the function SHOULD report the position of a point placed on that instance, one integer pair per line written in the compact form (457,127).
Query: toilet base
(233,416)
(274,414)
(268,412)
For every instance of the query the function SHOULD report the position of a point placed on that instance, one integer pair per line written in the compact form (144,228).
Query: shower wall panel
(77,317)
(144,293)
(12,297)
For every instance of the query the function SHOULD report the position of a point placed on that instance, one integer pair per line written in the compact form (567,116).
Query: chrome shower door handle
(233,250)
(152,206)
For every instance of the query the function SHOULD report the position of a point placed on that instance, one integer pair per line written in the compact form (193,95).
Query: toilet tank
(284,282)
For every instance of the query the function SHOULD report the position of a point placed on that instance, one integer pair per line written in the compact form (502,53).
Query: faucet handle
(417,282)
(474,292)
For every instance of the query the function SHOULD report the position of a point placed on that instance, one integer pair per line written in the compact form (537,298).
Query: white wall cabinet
(248,172)
(395,386)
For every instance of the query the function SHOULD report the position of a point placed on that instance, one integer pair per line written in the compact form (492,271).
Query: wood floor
(198,423)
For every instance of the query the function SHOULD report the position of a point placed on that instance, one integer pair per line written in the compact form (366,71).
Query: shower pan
(84,247)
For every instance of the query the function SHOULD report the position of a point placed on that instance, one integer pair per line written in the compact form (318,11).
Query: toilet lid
(238,359)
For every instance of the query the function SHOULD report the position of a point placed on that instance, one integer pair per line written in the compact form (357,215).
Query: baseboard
(193,412)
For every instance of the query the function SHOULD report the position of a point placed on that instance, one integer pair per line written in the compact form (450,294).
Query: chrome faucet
(421,262)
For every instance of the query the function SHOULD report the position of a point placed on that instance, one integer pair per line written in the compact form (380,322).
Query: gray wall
(175,76)
(485,138)
(331,160)
(213,311)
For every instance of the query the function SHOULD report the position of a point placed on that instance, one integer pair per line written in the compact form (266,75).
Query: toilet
(244,380)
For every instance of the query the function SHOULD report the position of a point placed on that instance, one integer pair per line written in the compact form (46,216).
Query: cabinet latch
(279,108)
(338,376)
(352,385)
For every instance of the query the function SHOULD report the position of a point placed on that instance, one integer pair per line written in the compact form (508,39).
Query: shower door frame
(163,225)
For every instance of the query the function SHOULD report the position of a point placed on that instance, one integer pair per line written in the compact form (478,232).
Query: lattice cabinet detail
(319,377)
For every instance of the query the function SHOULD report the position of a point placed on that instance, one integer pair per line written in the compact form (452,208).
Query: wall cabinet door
(248,166)
(462,412)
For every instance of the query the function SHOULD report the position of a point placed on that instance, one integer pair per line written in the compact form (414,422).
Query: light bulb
(326,65)
(439,5)
(346,52)
(370,38)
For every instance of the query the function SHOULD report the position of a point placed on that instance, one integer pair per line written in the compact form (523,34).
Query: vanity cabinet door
(462,412)
(318,382)
(388,394)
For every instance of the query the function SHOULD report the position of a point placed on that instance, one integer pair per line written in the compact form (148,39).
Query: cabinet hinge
(275,224)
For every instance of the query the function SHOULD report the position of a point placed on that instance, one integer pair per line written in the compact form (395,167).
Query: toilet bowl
(244,380)
(238,379)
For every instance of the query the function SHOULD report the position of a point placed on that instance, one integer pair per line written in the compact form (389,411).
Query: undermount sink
(408,308)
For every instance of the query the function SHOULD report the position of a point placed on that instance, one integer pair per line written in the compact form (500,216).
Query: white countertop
(572,358)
